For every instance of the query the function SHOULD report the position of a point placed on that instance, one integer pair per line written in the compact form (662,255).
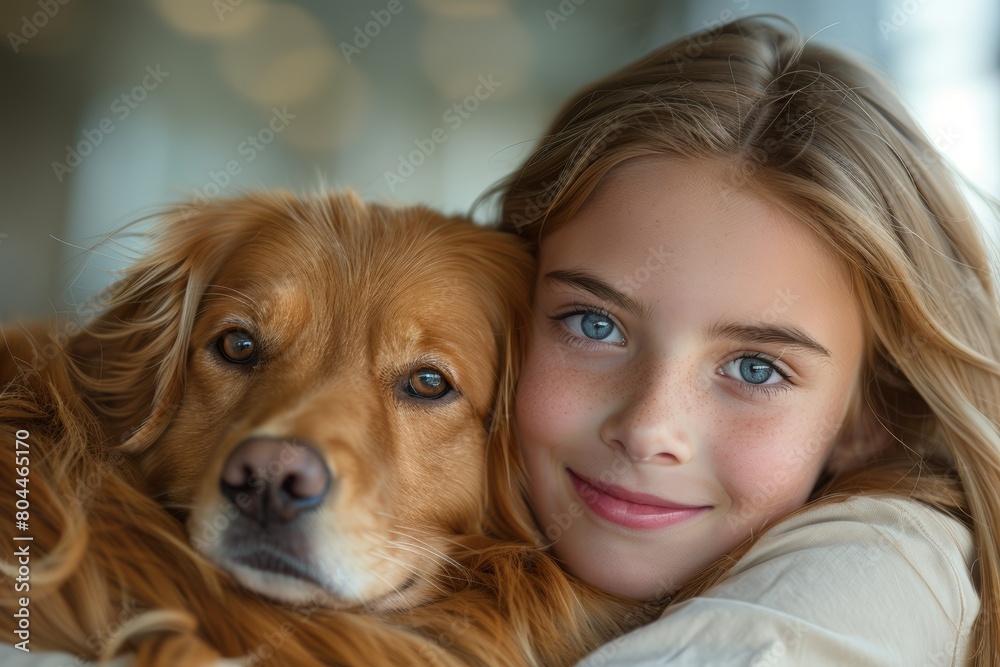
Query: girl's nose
(653,423)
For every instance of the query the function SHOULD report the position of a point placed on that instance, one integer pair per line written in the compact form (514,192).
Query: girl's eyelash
(571,338)
(765,389)
(568,337)
(580,309)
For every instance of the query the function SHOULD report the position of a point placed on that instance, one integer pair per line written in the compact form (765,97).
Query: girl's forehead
(685,203)
(678,237)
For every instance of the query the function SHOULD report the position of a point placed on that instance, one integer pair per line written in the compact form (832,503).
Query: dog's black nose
(273,480)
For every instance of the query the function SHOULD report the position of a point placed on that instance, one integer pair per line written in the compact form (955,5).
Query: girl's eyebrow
(768,334)
(745,333)
(588,282)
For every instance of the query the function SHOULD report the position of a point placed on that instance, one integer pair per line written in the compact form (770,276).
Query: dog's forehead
(409,284)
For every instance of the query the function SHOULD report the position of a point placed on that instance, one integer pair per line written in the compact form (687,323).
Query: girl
(761,303)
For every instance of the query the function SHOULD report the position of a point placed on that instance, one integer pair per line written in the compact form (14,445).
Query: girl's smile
(695,355)
(628,508)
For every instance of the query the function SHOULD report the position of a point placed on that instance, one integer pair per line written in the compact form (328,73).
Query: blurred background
(112,107)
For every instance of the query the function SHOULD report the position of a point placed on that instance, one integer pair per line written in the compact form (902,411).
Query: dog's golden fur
(132,420)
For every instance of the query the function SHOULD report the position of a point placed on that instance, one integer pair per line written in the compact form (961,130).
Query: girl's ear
(861,438)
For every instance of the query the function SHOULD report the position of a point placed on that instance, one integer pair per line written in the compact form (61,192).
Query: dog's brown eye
(427,383)
(237,346)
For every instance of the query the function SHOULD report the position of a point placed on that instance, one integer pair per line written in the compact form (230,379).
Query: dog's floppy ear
(130,360)
(507,259)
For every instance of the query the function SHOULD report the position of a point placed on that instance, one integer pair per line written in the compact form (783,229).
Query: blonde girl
(762,303)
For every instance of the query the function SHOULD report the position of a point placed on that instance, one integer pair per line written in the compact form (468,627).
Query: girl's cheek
(773,463)
(550,399)
(531,400)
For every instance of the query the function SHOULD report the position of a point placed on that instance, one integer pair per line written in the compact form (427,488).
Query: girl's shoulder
(865,581)
(867,531)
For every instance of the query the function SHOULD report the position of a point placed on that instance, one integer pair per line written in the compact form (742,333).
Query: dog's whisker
(453,542)
(427,540)
(424,547)
(392,587)
(404,529)
(404,538)
(432,578)
(400,527)
(431,575)
(415,549)
(438,574)
(403,564)
(383,579)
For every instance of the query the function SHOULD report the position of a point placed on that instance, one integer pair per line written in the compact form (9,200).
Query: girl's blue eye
(752,370)
(595,326)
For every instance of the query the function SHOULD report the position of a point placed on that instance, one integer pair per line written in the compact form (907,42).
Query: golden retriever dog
(270,445)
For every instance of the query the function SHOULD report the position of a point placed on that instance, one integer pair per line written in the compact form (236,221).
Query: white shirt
(866,581)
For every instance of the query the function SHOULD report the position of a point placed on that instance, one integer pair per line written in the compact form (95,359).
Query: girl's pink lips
(629,508)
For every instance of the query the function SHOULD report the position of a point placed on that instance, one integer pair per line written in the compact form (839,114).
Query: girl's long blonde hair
(830,142)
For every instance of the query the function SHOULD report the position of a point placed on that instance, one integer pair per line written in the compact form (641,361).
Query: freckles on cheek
(767,457)
(551,400)
(749,473)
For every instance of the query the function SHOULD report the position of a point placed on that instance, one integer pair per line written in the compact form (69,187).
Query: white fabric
(861,582)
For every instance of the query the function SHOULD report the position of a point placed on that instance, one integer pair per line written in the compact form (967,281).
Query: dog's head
(311,380)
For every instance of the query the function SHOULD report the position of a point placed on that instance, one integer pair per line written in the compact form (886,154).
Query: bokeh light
(285,58)
(455,51)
